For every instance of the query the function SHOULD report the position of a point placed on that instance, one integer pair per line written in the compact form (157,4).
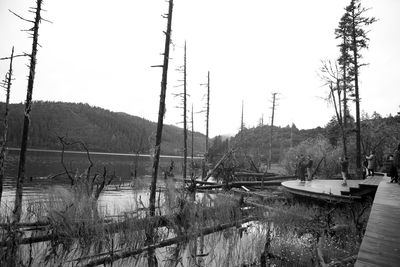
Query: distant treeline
(100,129)
(381,134)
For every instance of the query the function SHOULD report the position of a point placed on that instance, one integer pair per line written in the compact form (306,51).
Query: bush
(320,149)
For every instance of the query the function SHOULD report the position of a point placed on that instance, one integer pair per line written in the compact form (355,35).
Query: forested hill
(102,130)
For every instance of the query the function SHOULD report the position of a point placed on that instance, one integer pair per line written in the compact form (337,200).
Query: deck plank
(381,242)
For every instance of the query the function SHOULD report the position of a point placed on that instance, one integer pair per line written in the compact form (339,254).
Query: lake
(42,165)
(291,231)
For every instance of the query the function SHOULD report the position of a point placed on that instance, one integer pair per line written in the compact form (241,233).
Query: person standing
(344,168)
(396,159)
(301,169)
(371,163)
(309,165)
(390,169)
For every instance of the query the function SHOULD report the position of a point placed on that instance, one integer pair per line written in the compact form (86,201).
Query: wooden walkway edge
(381,242)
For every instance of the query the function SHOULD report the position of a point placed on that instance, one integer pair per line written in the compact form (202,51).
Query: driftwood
(258,174)
(140,224)
(239,184)
(120,254)
(256,194)
(224,157)
(196,181)
(277,210)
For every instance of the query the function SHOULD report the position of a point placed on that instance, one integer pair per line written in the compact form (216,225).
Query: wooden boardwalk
(381,242)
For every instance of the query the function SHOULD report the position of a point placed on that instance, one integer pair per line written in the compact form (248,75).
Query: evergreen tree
(354,27)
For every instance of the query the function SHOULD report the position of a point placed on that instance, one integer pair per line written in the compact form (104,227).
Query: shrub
(320,149)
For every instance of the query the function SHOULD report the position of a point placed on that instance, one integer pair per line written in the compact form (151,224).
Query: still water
(123,196)
(42,167)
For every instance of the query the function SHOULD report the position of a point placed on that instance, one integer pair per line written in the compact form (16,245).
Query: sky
(101,52)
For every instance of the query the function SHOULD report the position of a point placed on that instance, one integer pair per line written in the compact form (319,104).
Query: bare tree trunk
(192,154)
(28,105)
(184,118)
(345,112)
(7,81)
(208,110)
(161,112)
(241,126)
(291,136)
(271,130)
(152,205)
(338,111)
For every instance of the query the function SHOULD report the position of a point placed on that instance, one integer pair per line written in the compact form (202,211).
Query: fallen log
(239,184)
(257,174)
(197,181)
(277,210)
(256,194)
(120,254)
(114,227)
(227,154)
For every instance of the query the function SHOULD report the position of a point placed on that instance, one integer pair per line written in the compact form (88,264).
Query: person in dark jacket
(390,169)
(396,159)
(301,168)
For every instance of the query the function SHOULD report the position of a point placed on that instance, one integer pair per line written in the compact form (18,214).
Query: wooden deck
(381,242)
(333,190)
(330,190)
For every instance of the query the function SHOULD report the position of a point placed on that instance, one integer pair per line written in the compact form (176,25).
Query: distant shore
(95,153)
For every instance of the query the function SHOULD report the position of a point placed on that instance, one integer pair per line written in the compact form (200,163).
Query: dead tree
(157,148)
(192,151)
(271,129)
(183,96)
(207,111)
(92,185)
(184,118)
(7,86)
(161,111)
(28,106)
(330,74)
(241,125)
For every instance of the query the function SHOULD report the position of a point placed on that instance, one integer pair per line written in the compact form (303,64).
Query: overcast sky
(100,52)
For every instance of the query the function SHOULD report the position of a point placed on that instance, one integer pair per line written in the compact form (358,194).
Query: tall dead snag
(242,125)
(192,152)
(271,129)
(183,96)
(161,111)
(184,117)
(157,148)
(28,106)
(208,110)
(7,86)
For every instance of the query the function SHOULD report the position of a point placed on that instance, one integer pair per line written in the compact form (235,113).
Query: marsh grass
(81,230)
